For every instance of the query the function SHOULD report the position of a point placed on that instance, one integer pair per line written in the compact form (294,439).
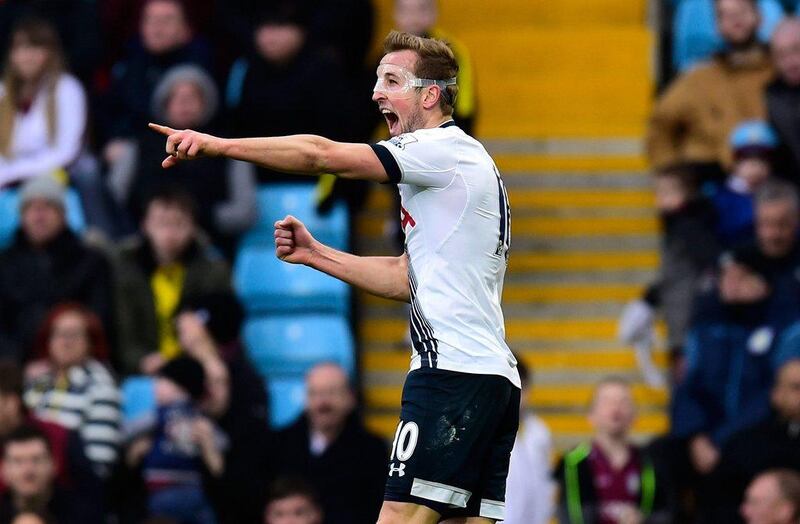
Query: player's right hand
(186,144)
(293,242)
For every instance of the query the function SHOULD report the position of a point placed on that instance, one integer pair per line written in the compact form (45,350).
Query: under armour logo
(401,471)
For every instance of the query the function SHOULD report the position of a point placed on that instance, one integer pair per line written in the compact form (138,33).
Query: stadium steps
(547,69)
(583,243)
(564,90)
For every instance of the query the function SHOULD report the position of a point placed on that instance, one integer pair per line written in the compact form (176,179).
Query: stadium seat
(290,345)
(287,396)
(266,284)
(138,399)
(9,214)
(695,30)
(275,201)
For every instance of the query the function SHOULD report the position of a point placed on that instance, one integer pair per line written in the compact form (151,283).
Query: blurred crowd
(126,394)
(724,144)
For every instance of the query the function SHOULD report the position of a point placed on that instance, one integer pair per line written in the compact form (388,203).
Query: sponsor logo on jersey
(402,140)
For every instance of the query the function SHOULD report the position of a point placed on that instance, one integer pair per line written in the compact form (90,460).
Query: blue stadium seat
(275,201)
(290,345)
(287,396)
(138,398)
(266,284)
(9,214)
(694,30)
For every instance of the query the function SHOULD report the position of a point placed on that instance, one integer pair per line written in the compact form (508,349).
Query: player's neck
(436,120)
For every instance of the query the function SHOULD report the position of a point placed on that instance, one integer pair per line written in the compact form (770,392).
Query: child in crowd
(689,251)
(180,447)
(753,143)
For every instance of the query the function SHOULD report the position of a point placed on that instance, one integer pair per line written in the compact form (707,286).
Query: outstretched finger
(164,130)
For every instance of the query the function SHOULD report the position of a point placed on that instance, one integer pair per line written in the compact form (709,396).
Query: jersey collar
(448,123)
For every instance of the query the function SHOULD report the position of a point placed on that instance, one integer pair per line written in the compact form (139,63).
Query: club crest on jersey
(402,140)
(406,220)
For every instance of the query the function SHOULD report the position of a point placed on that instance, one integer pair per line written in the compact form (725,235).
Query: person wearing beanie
(225,191)
(45,264)
(181,448)
(753,144)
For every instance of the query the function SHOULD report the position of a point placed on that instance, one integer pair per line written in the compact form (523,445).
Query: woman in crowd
(71,386)
(42,107)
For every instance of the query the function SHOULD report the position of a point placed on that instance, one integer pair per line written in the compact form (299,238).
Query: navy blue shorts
(453,444)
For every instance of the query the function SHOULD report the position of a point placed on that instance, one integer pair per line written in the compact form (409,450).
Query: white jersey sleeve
(417,163)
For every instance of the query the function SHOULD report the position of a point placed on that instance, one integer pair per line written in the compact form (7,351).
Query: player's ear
(432,96)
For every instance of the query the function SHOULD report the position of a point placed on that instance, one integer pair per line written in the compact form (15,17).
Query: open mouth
(392,120)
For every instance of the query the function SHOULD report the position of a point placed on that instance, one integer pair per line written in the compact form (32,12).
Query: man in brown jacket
(692,120)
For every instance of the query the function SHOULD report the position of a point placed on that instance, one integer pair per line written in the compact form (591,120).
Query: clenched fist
(293,242)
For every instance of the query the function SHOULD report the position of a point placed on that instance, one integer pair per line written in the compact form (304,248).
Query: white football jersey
(457,222)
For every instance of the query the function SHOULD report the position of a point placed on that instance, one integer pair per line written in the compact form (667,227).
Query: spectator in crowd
(292,501)
(728,370)
(46,264)
(753,144)
(775,255)
(419,17)
(689,252)
(530,491)
(30,518)
(208,329)
(342,30)
(73,470)
(225,191)
(783,97)
(165,40)
(610,480)
(694,117)
(275,90)
(42,107)
(732,345)
(774,443)
(180,448)
(29,472)
(77,25)
(773,498)
(330,446)
(70,385)
(154,271)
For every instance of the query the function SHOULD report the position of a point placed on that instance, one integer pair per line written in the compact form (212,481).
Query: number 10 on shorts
(405,442)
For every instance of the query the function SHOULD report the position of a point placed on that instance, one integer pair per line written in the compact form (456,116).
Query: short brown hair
(609,380)
(292,486)
(435,61)
(174,196)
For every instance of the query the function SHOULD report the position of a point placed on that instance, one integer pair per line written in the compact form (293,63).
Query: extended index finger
(164,130)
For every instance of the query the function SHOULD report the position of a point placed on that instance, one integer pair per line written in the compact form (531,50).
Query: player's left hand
(186,144)
(293,242)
